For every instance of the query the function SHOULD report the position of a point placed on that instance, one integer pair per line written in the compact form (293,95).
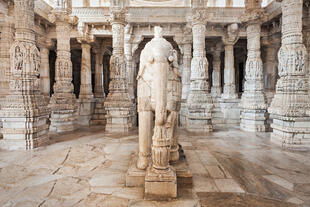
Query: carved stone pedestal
(231,110)
(292,134)
(86,106)
(160,186)
(254,121)
(99,115)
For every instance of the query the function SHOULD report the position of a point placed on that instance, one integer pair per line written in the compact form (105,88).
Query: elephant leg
(174,151)
(145,138)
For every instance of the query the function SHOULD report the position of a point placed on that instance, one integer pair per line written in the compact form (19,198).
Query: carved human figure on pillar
(159,94)
(151,58)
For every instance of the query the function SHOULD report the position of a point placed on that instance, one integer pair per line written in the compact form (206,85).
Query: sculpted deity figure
(18,59)
(159,94)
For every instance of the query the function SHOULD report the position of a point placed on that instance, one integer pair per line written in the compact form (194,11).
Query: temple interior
(155,103)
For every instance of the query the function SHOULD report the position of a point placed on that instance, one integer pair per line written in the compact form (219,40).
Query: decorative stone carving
(253,100)
(199,101)
(290,106)
(98,118)
(229,40)
(24,111)
(216,89)
(272,45)
(63,102)
(45,45)
(86,94)
(118,103)
(159,91)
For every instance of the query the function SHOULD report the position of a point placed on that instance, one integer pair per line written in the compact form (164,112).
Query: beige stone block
(228,185)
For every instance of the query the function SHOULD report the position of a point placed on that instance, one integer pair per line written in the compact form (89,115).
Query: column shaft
(229,74)
(24,111)
(199,102)
(63,102)
(253,101)
(45,72)
(86,86)
(216,89)
(118,104)
(290,107)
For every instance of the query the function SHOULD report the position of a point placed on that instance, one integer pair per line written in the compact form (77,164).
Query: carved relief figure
(159,94)
(18,59)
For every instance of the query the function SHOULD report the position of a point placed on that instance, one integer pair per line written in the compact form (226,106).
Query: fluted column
(216,89)
(253,101)
(24,112)
(63,102)
(118,103)
(290,108)
(199,101)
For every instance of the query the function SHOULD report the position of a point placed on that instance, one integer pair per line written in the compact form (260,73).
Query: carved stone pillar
(290,108)
(118,103)
(229,100)
(270,66)
(45,46)
(229,41)
(6,40)
(128,55)
(98,117)
(24,112)
(216,89)
(199,101)
(63,102)
(86,94)
(306,34)
(253,101)
(186,73)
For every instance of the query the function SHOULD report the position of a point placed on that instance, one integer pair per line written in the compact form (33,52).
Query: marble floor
(88,168)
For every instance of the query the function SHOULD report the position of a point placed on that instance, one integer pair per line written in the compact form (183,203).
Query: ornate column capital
(232,34)
(57,16)
(199,16)
(118,15)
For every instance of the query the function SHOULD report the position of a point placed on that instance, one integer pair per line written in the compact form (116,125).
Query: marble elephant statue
(159,94)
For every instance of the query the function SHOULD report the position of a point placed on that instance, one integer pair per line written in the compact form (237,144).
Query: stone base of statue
(293,133)
(99,115)
(231,110)
(160,185)
(254,120)
(136,177)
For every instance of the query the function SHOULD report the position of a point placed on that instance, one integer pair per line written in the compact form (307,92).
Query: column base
(63,121)
(231,110)
(160,186)
(254,121)
(119,120)
(217,114)
(292,134)
(86,106)
(17,137)
(99,115)
(198,125)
